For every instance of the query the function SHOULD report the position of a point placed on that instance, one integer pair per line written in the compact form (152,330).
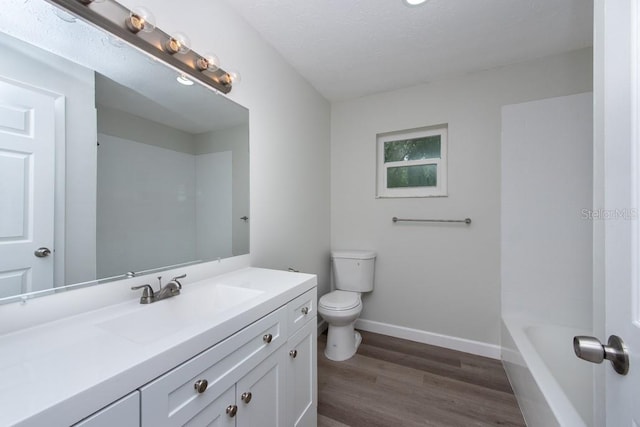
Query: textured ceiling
(351,48)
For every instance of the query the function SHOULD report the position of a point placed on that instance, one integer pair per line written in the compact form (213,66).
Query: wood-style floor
(392,382)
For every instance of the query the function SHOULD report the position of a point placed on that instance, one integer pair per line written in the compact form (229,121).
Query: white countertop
(60,372)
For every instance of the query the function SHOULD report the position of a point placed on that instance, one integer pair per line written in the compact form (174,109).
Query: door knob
(42,252)
(592,350)
(246,397)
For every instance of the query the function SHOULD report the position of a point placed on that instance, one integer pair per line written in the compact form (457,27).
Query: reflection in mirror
(107,160)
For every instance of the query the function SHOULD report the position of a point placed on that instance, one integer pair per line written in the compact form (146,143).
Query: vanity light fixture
(137,27)
(140,19)
(178,43)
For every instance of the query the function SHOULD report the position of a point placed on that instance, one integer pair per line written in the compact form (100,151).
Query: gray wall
(234,140)
(442,279)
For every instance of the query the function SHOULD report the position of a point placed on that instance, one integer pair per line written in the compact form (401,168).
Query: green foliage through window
(427,147)
(412,176)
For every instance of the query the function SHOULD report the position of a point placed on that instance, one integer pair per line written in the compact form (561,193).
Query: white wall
(146,207)
(438,278)
(546,233)
(289,126)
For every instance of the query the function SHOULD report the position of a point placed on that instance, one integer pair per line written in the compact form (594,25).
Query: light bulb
(208,61)
(234,77)
(141,19)
(414,2)
(178,43)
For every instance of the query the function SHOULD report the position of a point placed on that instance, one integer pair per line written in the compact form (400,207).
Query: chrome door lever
(592,350)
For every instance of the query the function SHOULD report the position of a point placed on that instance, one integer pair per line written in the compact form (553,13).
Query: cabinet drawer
(302,309)
(172,399)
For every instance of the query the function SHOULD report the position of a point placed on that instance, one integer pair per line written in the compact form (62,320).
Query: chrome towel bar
(396,219)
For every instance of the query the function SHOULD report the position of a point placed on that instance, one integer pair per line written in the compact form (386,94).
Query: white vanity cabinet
(236,349)
(264,375)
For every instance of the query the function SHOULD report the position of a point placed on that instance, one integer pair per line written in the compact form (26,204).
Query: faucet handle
(147,293)
(175,279)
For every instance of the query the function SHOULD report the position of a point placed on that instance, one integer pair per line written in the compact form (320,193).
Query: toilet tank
(353,270)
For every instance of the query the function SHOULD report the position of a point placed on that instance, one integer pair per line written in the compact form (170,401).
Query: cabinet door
(260,394)
(216,413)
(122,413)
(302,376)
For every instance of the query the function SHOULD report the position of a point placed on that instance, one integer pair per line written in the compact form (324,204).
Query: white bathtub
(553,387)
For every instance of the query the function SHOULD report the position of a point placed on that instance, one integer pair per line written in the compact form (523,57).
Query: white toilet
(352,275)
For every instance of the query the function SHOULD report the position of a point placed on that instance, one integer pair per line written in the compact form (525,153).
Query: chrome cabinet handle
(231,410)
(201,386)
(267,338)
(305,310)
(42,252)
(246,397)
(592,350)
(293,354)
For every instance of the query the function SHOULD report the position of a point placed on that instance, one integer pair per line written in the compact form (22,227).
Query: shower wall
(546,217)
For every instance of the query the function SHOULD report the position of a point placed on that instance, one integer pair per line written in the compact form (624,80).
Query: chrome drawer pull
(305,310)
(267,338)
(246,397)
(201,386)
(293,353)
(231,410)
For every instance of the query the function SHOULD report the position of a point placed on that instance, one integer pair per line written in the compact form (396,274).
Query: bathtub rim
(556,399)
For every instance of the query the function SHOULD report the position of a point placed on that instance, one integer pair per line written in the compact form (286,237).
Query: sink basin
(154,321)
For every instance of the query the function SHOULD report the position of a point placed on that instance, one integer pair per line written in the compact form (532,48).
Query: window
(413,163)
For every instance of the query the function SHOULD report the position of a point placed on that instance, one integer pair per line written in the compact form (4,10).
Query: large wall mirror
(108,163)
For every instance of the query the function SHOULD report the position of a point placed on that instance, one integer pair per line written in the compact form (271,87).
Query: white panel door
(27,156)
(621,100)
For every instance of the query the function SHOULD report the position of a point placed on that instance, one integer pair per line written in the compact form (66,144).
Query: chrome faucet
(171,289)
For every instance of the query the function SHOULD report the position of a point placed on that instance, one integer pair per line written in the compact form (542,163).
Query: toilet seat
(339,300)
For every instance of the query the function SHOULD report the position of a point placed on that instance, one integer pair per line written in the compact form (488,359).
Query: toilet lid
(340,300)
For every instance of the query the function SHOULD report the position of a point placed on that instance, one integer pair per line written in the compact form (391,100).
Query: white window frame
(440,190)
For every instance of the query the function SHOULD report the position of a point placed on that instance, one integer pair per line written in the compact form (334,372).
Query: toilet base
(342,342)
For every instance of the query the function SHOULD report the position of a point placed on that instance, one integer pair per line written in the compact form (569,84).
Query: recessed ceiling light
(184,80)
(414,2)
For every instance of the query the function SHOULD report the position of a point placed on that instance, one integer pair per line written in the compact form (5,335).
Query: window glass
(427,147)
(412,176)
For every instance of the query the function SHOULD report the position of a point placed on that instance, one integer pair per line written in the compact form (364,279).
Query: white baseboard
(417,335)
